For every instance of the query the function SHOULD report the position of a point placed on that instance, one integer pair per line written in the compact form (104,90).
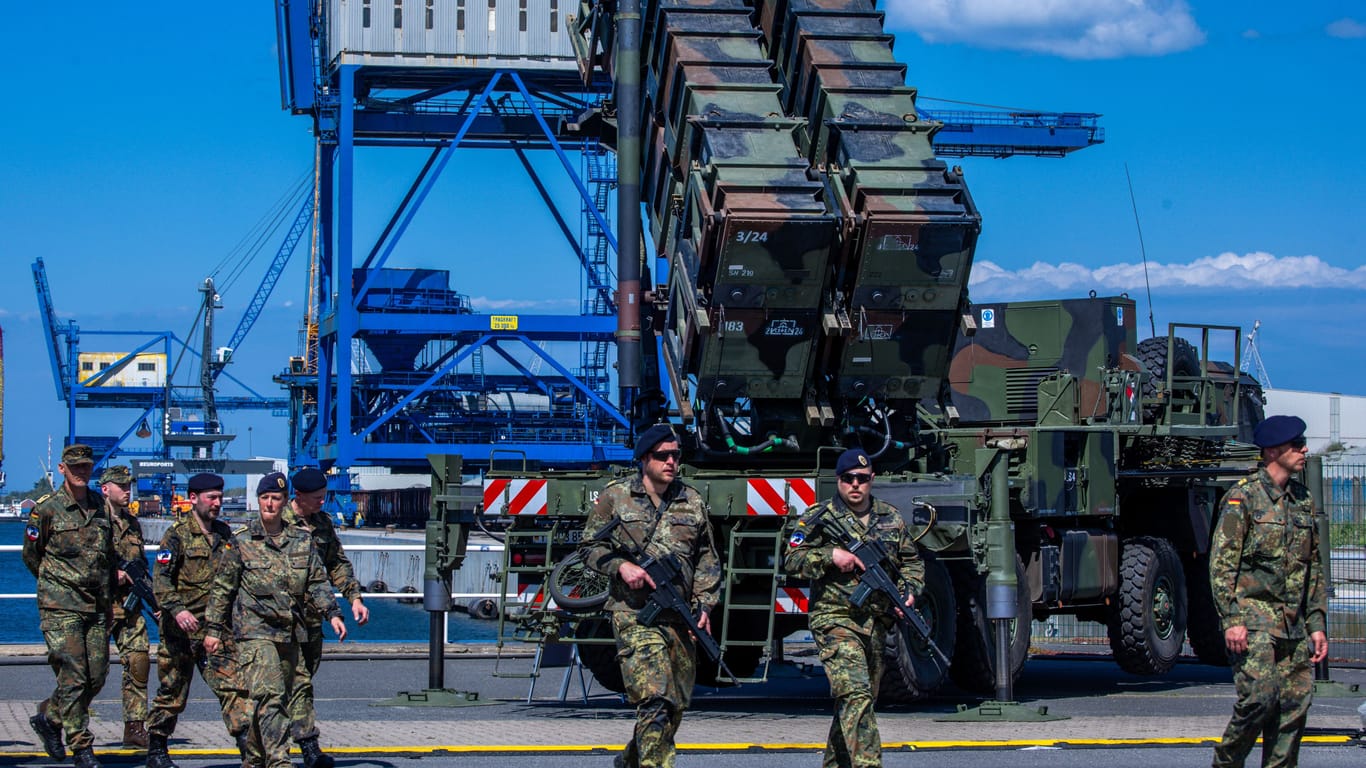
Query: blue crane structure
(397,368)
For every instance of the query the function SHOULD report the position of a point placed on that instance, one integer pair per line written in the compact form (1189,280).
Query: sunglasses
(1299,444)
(666,455)
(855,478)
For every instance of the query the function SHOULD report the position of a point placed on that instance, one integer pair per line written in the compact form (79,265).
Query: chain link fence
(1345,506)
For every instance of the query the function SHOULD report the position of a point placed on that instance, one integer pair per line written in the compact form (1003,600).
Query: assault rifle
(142,586)
(665,573)
(875,580)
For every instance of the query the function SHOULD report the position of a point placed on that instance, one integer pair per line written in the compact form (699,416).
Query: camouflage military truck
(816,299)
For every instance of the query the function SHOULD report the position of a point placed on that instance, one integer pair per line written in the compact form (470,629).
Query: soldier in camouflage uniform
(269,589)
(850,639)
(659,514)
(190,554)
(305,513)
(129,629)
(1269,589)
(69,547)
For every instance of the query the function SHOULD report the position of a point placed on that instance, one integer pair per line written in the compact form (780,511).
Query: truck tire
(1203,628)
(1153,354)
(575,587)
(1147,622)
(600,658)
(910,672)
(974,657)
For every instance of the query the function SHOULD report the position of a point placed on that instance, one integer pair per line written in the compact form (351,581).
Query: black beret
(853,459)
(205,481)
(1278,430)
(308,480)
(653,436)
(275,482)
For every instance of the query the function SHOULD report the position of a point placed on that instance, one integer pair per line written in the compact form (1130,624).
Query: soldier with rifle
(129,630)
(843,545)
(655,536)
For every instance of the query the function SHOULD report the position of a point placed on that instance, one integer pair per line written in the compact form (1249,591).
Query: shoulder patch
(798,537)
(163,556)
(31,532)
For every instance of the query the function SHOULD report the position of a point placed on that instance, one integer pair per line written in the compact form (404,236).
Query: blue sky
(141,146)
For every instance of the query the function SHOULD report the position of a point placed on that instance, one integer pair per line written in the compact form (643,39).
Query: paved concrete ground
(1105,706)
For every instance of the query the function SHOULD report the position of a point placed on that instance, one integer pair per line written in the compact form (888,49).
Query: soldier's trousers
(130,638)
(658,669)
(267,671)
(1275,686)
(177,657)
(78,652)
(853,664)
(303,720)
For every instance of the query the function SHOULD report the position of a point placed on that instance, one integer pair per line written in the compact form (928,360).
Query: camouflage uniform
(1266,575)
(657,662)
(267,592)
(186,564)
(303,719)
(70,549)
(850,639)
(129,629)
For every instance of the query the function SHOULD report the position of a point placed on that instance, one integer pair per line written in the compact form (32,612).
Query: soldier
(654,511)
(850,639)
(1269,590)
(270,589)
(69,547)
(310,490)
(129,630)
(190,554)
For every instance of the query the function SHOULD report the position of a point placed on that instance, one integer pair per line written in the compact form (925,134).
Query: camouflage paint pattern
(850,639)
(1275,687)
(342,576)
(1266,575)
(129,630)
(185,566)
(78,652)
(657,662)
(267,669)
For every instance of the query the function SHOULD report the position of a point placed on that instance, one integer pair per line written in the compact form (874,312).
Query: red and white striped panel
(526,593)
(523,497)
(791,600)
(782,496)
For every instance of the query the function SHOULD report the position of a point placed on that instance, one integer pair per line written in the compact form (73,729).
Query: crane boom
(54,330)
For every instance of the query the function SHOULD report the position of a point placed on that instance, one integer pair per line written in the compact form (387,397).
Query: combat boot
(85,758)
(134,734)
(157,754)
(51,735)
(314,756)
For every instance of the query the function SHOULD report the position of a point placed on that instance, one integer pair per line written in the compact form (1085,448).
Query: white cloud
(1252,270)
(1073,29)
(1347,28)
(486,304)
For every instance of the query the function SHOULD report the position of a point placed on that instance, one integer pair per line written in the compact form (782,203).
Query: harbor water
(390,621)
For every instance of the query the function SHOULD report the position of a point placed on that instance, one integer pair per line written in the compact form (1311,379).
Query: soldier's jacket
(128,544)
(329,546)
(812,557)
(1265,570)
(684,529)
(185,567)
(269,588)
(70,549)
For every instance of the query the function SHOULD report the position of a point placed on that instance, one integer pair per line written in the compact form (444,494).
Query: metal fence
(1345,506)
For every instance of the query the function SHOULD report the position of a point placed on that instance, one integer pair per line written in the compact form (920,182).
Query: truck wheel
(1203,629)
(910,672)
(601,659)
(974,657)
(1153,353)
(575,587)
(1147,623)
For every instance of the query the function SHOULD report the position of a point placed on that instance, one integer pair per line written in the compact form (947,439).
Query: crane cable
(241,256)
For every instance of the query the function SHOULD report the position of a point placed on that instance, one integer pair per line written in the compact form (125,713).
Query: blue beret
(308,480)
(653,436)
(1278,430)
(274,482)
(853,459)
(205,481)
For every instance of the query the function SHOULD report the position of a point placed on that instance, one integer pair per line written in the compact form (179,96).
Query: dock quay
(566,713)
